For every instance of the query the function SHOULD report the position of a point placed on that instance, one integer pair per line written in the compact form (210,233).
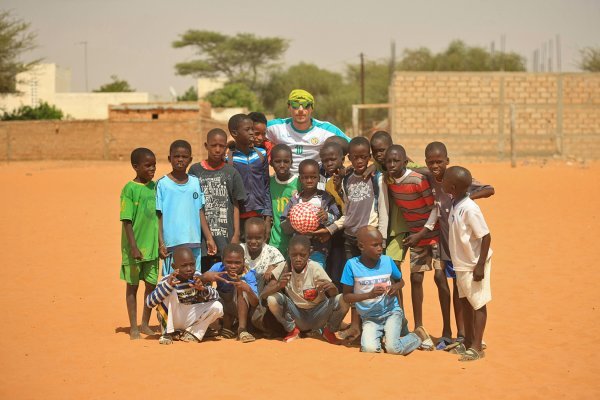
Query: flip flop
(165,339)
(472,355)
(227,333)
(460,349)
(444,343)
(246,337)
(188,337)
(426,342)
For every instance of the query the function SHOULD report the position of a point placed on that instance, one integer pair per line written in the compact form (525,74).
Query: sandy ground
(66,337)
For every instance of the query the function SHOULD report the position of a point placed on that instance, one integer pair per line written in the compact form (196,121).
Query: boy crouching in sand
(185,306)
(367,281)
(469,245)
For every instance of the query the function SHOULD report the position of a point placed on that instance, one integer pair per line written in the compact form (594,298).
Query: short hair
(307,162)
(332,146)
(180,144)
(139,153)
(258,117)
(382,135)
(436,147)
(396,147)
(281,147)
(339,140)
(216,132)
(235,121)
(359,141)
(459,176)
(255,221)
(233,248)
(299,240)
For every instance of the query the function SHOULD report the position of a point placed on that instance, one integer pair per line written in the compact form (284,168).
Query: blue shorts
(449,268)
(167,269)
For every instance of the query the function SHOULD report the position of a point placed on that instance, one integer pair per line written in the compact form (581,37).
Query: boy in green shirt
(139,237)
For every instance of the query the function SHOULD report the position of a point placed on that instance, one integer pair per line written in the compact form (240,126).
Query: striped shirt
(185,293)
(413,196)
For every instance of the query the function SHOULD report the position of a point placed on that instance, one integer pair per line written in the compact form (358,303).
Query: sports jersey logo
(314,140)
(195,195)
(299,149)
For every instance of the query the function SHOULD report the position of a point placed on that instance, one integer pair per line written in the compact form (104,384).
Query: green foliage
(242,58)
(590,59)
(233,95)
(15,39)
(460,57)
(42,111)
(116,86)
(190,95)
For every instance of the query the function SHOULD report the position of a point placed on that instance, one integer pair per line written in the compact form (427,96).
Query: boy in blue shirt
(253,165)
(179,205)
(238,291)
(367,281)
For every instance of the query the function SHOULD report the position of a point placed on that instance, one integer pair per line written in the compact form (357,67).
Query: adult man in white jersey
(302,133)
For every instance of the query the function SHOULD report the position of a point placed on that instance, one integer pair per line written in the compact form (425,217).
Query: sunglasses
(295,104)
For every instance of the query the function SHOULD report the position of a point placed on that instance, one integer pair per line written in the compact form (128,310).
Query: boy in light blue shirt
(372,282)
(179,205)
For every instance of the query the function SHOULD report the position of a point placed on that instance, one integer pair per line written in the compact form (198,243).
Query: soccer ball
(303,217)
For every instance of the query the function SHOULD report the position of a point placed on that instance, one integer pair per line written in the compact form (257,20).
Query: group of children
(233,265)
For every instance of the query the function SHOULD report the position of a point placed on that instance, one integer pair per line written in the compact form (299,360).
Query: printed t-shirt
(467,227)
(302,287)
(267,257)
(222,187)
(281,192)
(138,205)
(363,279)
(180,205)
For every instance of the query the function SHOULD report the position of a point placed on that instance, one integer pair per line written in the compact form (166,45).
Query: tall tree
(242,58)
(233,95)
(190,95)
(590,59)
(117,85)
(15,39)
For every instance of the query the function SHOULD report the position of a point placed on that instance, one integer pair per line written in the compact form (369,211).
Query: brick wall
(98,140)
(470,112)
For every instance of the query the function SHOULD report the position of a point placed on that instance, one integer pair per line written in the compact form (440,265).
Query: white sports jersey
(304,144)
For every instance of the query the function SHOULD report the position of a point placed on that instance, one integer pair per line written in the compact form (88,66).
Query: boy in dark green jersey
(139,238)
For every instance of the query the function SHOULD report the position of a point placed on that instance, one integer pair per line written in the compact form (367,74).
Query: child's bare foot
(146,330)
(134,333)
(349,335)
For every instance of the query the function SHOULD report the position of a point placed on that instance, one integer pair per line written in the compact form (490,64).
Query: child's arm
(480,191)
(424,191)
(351,297)
(236,223)
(162,248)
(210,241)
(135,252)
(268,211)
(383,204)
(478,272)
(275,285)
(162,290)
(327,287)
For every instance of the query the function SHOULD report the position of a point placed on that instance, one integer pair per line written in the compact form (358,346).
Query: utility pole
(85,63)
(362,88)
(392,59)
(550,51)
(558,54)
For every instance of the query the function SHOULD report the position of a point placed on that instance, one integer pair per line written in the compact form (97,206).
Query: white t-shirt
(268,256)
(467,227)
(304,144)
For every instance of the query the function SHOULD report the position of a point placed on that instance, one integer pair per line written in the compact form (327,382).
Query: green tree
(460,57)
(234,95)
(190,95)
(42,111)
(242,58)
(15,39)
(117,85)
(590,59)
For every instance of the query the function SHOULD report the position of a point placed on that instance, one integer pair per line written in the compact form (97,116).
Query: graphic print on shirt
(216,196)
(358,191)
(367,283)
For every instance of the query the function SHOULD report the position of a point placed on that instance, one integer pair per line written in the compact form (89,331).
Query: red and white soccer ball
(303,217)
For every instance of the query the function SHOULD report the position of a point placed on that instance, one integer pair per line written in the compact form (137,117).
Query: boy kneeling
(367,281)
(309,301)
(185,306)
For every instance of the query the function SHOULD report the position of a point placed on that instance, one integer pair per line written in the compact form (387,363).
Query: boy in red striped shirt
(413,196)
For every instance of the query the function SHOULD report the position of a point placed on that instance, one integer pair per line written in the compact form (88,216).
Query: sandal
(472,355)
(426,342)
(444,343)
(460,349)
(227,333)
(188,338)
(211,333)
(165,339)
(246,337)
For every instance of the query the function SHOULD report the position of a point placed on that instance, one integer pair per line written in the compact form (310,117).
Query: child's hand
(395,288)
(211,276)
(198,285)
(412,240)
(322,215)
(241,285)
(162,251)
(211,246)
(284,279)
(478,272)
(369,172)
(172,279)
(136,253)
(377,291)
(322,234)
(235,239)
(323,285)
(268,275)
